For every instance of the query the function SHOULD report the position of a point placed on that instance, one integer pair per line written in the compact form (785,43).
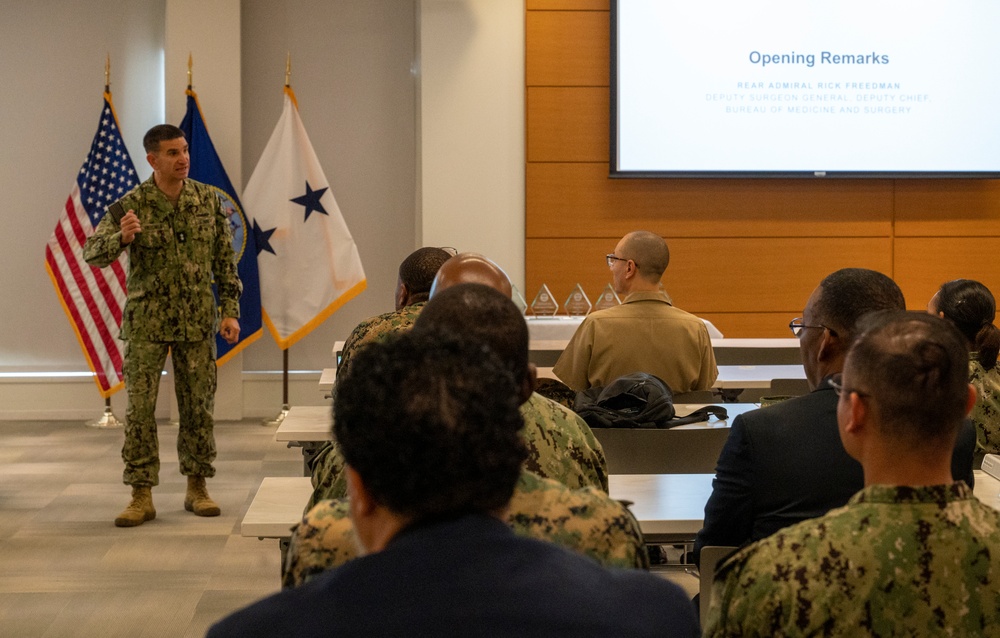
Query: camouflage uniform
(376,329)
(986,413)
(171,305)
(585,520)
(913,561)
(561,446)
(327,464)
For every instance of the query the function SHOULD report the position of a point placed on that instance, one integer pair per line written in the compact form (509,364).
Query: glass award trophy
(577,304)
(518,299)
(544,305)
(608,299)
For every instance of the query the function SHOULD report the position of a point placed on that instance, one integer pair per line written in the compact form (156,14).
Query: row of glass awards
(576,305)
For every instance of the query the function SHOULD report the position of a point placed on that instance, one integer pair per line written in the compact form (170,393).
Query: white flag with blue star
(308,261)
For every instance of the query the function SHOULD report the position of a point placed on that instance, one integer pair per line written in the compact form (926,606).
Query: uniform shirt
(986,412)
(376,330)
(895,561)
(561,446)
(171,263)
(586,521)
(644,334)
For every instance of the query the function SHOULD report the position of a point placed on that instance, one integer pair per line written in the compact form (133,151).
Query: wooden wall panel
(579,200)
(567,48)
(947,207)
(713,275)
(567,124)
(746,252)
(922,264)
(773,325)
(568,5)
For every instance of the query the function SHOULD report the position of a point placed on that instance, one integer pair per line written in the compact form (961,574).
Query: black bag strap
(699,415)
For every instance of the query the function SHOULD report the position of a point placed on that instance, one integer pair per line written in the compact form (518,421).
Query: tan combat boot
(197,499)
(139,510)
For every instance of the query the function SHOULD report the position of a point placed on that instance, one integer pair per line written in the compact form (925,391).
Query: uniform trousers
(195,382)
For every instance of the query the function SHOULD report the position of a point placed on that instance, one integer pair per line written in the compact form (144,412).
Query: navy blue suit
(470,577)
(785,463)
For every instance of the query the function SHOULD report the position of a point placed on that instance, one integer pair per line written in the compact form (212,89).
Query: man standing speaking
(178,240)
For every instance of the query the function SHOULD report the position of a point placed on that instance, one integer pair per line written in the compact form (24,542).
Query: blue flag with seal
(206,167)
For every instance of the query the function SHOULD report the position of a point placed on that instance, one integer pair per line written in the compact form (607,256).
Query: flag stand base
(278,419)
(108,420)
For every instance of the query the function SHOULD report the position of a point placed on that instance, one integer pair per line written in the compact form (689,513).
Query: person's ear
(830,346)
(970,401)
(857,414)
(151,158)
(529,382)
(402,294)
(361,502)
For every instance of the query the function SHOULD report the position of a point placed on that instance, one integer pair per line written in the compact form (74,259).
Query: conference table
(306,427)
(669,507)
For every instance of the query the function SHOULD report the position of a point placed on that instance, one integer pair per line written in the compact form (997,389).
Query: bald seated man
(561,445)
(471,268)
(645,333)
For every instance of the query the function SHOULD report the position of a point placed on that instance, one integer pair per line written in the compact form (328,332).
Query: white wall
(442,166)
(472,128)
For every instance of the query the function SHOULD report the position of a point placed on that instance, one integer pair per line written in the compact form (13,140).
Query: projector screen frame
(615,172)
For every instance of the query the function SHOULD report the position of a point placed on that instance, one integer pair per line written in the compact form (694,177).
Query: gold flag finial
(107,73)
(190,65)
(288,69)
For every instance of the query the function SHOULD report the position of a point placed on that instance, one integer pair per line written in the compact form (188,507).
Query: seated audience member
(914,553)
(561,445)
(785,463)
(429,426)
(586,520)
(645,333)
(970,306)
(413,287)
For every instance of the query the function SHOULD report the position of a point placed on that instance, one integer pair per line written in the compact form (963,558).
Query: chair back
(710,558)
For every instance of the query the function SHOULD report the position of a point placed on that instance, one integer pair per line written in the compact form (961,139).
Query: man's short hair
(484,314)
(851,293)
(431,424)
(160,133)
(417,271)
(650,253)
(916,367)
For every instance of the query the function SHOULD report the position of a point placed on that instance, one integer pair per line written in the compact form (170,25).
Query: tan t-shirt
(644,334)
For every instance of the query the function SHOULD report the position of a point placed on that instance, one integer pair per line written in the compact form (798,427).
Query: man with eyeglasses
(913,553)
(646,333)
(785,463)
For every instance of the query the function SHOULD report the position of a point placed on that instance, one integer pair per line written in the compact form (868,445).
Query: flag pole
(108,418)
(285,407)
(284,371)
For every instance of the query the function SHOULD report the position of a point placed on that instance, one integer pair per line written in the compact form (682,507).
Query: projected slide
(781,86)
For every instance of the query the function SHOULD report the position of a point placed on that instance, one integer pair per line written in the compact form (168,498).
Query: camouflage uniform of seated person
(413,287)
(586,521)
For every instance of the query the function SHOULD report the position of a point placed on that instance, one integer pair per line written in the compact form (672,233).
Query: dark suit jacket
(785,463)
(470,577)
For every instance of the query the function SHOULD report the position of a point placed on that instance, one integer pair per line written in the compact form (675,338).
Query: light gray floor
(66,570)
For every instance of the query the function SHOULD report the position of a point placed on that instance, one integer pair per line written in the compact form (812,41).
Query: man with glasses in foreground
(785,463)
(914,552)
(645,333)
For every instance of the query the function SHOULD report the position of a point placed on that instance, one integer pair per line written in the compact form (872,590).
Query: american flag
(93,298)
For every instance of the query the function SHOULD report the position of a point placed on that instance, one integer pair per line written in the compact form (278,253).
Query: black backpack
(637,400)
